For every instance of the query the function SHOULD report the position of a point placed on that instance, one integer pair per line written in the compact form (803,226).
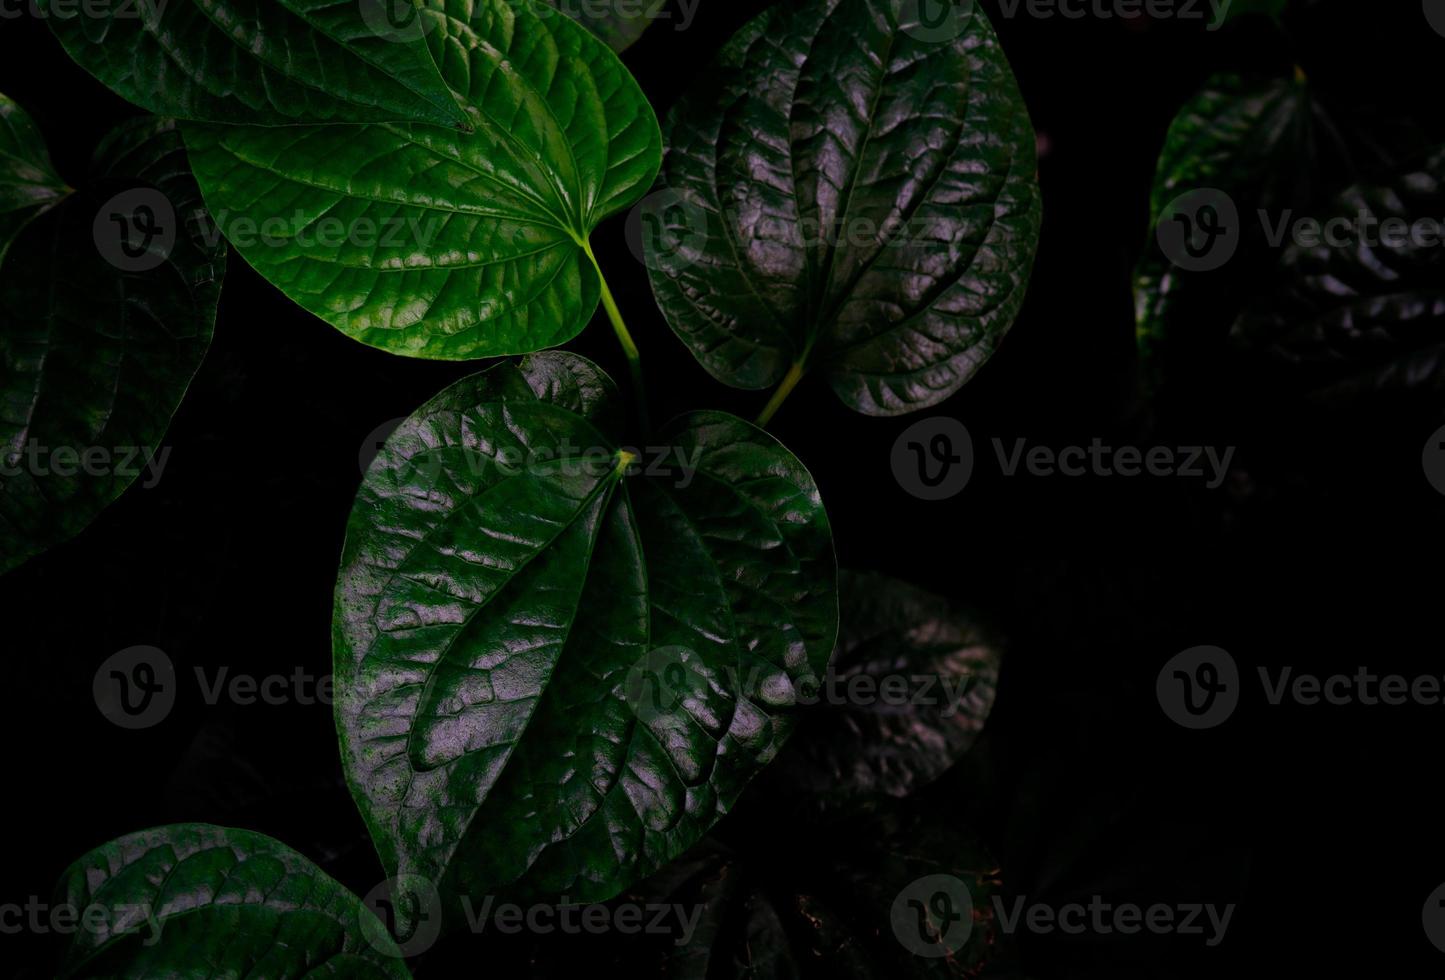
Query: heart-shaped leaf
(911,684)
(29,184)
(109,301)
(1238,146)
(1362,316)
(268,62)
(851,190)
(558,661)
(434,243)
(619,23)
(192,900)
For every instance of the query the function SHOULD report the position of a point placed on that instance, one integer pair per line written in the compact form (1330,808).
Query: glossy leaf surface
(852,191)
(29,184)
(911,684)
(268,62)
(1264,146)
(559,661)
(1361,315)
(110,301)
(434,243)
(192,900)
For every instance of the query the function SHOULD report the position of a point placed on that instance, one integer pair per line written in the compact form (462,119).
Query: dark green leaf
(1269,148)
(911,684)
(29,184)
(438,244)
(192,900)
(268,62)
(1366,317)
(619,23)
(851,191)
(558,665)
(109,301)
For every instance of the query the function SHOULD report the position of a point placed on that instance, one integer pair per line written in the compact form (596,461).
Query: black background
(1321,551)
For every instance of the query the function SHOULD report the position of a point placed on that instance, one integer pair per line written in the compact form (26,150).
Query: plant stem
(784,389)
(629,347)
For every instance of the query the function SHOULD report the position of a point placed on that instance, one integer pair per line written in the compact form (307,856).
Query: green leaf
(619,23)
(1262,145)
(110,301)
(193,900)
(29,185)
(268,62)
(1364,316)
(433,243)
(853,191)
(558,660)
(911,684)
